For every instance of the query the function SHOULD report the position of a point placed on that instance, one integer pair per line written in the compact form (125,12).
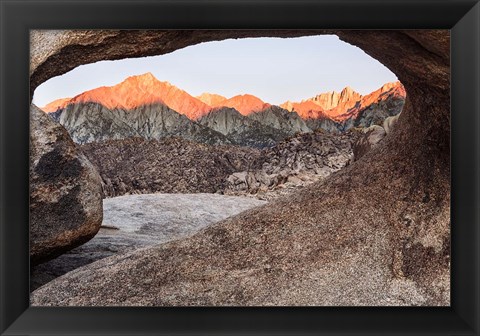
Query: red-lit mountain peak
(394,88)
(143,90)
(306,109)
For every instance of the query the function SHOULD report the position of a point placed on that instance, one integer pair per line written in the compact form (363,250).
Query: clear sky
(273,69)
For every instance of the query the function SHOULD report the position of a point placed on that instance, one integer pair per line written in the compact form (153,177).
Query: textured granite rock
(374,233)
(65,191)
(172,165)
(371,137)
(294,162)
(243,130)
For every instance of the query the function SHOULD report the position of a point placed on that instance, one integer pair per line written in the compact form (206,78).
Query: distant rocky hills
(173,165)
(142,106)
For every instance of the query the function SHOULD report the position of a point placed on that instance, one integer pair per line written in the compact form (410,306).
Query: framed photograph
(236,168)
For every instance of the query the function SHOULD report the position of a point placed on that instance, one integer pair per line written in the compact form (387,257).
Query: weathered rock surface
(90,122)
(65,191)
(172,165)
(281,119)
(374,233)
(324,123)
(390,122)
(295,162)
(372,136)
(136,221)
(175,165)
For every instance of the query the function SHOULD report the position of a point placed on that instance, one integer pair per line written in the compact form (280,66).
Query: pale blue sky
(273,69)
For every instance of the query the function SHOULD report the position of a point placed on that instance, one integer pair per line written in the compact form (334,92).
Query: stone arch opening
(252,116)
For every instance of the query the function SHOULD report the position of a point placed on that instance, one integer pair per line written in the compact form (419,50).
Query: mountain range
(143,106)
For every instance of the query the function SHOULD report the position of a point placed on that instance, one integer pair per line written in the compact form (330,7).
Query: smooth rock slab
(136,221)
(164,217)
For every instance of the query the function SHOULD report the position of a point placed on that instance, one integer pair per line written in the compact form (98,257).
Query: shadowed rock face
(372,136)
(245,130)
(65,195)
(92,122)
(374,233)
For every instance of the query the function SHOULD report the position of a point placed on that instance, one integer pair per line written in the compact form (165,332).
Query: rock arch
(375,233)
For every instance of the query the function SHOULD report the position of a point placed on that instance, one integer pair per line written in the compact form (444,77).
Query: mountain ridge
(143,106)
(90,122)
(140,90)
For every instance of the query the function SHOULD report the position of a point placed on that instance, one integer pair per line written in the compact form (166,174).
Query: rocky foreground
(176,165)
(136,221)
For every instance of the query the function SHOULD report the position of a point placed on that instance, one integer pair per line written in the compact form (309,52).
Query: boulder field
(374,233)
(65,191)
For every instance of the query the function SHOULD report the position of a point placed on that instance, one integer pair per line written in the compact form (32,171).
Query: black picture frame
(18,17)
